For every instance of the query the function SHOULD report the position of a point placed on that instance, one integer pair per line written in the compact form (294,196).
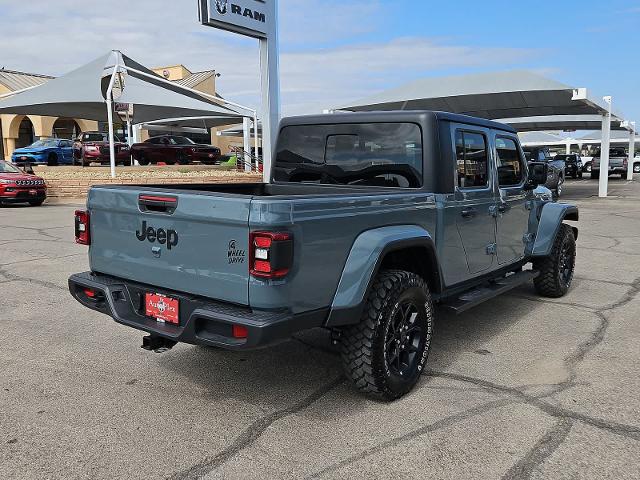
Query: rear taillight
(83,236)
(270,253)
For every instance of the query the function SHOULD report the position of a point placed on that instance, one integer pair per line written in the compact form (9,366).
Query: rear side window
(509,162)
(471,159)
(376,154)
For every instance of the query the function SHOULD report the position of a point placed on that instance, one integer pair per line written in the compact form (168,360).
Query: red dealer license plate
(162,308)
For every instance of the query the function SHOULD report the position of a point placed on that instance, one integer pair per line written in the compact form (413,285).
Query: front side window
(509,162)
(376,154)
(471,159)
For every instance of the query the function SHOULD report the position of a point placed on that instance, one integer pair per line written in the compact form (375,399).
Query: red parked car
(17,186)
(93,147)
(172,149)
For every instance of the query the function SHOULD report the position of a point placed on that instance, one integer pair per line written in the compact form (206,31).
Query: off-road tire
(556,276)
(365,347)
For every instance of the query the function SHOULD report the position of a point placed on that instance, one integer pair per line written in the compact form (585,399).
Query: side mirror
(538,172)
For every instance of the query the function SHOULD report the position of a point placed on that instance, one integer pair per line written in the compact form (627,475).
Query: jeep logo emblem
(162,236)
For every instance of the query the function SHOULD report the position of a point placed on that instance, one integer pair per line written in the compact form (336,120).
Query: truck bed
(210,227)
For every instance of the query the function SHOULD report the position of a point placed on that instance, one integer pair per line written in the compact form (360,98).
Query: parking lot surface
(520,387)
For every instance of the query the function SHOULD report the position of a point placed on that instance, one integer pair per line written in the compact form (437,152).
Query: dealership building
(18,131)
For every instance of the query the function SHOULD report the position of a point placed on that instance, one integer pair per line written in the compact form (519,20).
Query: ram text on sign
(254,18)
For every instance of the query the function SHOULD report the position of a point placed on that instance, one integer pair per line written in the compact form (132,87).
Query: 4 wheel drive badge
(235,254)
(221,6)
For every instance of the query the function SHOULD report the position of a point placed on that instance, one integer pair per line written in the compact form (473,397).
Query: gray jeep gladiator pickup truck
(369,221)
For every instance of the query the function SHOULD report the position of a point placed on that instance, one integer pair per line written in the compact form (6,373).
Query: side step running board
(476,296)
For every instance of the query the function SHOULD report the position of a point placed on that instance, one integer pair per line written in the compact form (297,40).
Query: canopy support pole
(603,183)
(255,139)
(129,135)
(568,147)
(632,148)
(112,147)
(246,146)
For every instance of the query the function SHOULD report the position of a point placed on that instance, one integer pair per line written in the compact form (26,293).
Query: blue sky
(335,51)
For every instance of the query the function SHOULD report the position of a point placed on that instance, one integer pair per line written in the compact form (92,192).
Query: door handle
(469,213)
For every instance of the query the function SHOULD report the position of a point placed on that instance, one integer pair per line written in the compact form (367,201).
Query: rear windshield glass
(376,154)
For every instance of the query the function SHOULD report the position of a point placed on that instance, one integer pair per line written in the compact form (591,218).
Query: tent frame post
(603,184)
(632,148)
(246,145)
(109,101)
(255,139)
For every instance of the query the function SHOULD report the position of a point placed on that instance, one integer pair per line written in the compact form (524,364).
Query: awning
(493,96)
(560,122)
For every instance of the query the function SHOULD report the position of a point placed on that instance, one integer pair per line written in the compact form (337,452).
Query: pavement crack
(542,450)
(12,277)
(253,432)
(629,431)
(432,427)
(41,258)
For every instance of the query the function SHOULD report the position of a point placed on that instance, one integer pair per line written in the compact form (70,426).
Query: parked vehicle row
(93,147)
(16,186)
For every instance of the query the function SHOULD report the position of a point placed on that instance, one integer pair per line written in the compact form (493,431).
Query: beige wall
(176,72)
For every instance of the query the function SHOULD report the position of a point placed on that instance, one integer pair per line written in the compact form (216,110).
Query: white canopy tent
(90,92)
(501,96)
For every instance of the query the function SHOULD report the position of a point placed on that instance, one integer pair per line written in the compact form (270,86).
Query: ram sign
(255,18)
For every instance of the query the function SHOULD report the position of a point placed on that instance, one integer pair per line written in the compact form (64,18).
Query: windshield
(181,141)
(93,137)
(47,142)
(97,137)
(7,168)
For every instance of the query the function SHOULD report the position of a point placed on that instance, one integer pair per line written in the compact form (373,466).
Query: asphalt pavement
(520,387)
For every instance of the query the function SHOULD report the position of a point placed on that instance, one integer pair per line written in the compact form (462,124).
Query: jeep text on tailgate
(370,220)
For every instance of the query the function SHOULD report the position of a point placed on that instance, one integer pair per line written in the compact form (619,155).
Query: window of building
(509,162)
(471,159)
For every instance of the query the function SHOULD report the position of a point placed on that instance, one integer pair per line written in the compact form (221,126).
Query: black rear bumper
(202,321)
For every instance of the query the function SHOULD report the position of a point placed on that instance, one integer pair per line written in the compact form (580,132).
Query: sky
(336,51)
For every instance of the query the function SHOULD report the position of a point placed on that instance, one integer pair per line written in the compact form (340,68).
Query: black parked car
(572,164)
(556,167)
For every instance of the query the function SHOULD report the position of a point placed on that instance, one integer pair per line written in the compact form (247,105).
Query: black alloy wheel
(403,340)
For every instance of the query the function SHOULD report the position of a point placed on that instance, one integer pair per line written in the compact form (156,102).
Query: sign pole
(257,19)
(270,79)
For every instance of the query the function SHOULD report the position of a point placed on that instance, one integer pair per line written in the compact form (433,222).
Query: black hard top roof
(393,116)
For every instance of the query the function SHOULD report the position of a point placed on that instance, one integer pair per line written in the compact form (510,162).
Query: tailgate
(194,243)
